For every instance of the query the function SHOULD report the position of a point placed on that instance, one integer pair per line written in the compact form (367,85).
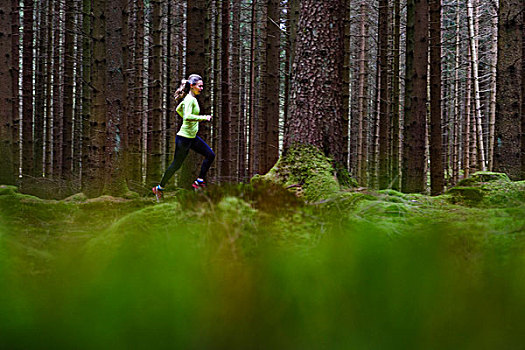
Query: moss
(483,176)
(6,190)
(464,193)
(306,171)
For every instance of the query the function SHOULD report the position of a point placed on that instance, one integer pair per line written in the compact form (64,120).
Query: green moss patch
(306,171)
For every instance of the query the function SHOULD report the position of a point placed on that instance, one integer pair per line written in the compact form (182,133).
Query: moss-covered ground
(256,266)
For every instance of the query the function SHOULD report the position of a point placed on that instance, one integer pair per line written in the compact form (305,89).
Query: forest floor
(245,266)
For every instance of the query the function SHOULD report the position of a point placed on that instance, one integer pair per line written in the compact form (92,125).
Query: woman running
(187,138)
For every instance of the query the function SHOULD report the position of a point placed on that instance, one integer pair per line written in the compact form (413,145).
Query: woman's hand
(208,117)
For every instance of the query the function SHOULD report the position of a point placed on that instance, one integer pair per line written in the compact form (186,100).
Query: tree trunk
(477,98)
(396,146)
(225,160)
(413,179)
(384,98)
(346,84)
(316,118)
(436,142)
(135,122)
(154,161)
(195,64)
(114,183)
(15,69)
(87,58)
(67,117)
(493,87)
(236,132)
(253,155)
(362,132)
(27,90)
(467,117)
(39,114)
(271,117)
(58,92)
(7,168)
(507,133)
(94,184)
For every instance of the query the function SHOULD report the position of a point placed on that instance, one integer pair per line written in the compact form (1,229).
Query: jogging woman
(187,138)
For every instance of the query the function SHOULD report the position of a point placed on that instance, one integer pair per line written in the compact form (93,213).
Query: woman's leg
(202,148)
(182,147)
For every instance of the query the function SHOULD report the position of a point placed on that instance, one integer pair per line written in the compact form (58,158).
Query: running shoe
(157,191)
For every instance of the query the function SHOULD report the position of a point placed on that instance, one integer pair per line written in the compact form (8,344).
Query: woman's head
(193,83)
(196,84)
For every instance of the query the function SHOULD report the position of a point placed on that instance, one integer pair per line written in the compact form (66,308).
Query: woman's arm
(189,112)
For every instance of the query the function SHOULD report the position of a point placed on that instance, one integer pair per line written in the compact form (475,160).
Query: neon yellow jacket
(189,110)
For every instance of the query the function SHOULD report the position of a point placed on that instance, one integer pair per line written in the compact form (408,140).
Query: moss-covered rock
(483,176)
(466,193)
(305,170)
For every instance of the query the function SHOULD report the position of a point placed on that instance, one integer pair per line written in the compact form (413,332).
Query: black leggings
(182,148)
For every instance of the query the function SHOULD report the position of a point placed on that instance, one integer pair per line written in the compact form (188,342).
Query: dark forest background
(406,94)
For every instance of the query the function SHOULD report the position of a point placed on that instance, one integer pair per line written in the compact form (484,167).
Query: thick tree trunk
(316,110)
(7,168)
(507,133)
(94,184)
(413,179)
(114,175)
(493,87)
(154,161)
(436,141)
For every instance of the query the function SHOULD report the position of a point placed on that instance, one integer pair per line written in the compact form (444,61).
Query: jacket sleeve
(188,112)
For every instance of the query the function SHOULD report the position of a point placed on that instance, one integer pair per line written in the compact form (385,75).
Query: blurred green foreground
(256,268)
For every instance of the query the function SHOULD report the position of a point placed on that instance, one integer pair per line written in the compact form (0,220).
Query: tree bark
(475,80)
(225,159)
(271,117)
(7,167)
(67,117)
(39,113)
(94,184)
(27,90)
(154,157)
(507,155)
(362,132)
(436,141)
(396,142)
(413,179)
(384,98)
(316,110)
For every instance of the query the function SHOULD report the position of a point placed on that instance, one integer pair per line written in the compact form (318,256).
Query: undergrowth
(254,266)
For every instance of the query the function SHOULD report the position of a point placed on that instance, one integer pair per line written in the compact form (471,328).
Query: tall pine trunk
(384,98)
(154,161)
(94,184)
(67,117)
(273,43)
(413,166)
(225,129)
(436,145)
(7,168)
(27,89)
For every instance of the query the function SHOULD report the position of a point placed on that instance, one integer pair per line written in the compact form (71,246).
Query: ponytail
(185,86)
(182,91)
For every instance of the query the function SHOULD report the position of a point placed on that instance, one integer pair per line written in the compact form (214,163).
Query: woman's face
(197,87)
